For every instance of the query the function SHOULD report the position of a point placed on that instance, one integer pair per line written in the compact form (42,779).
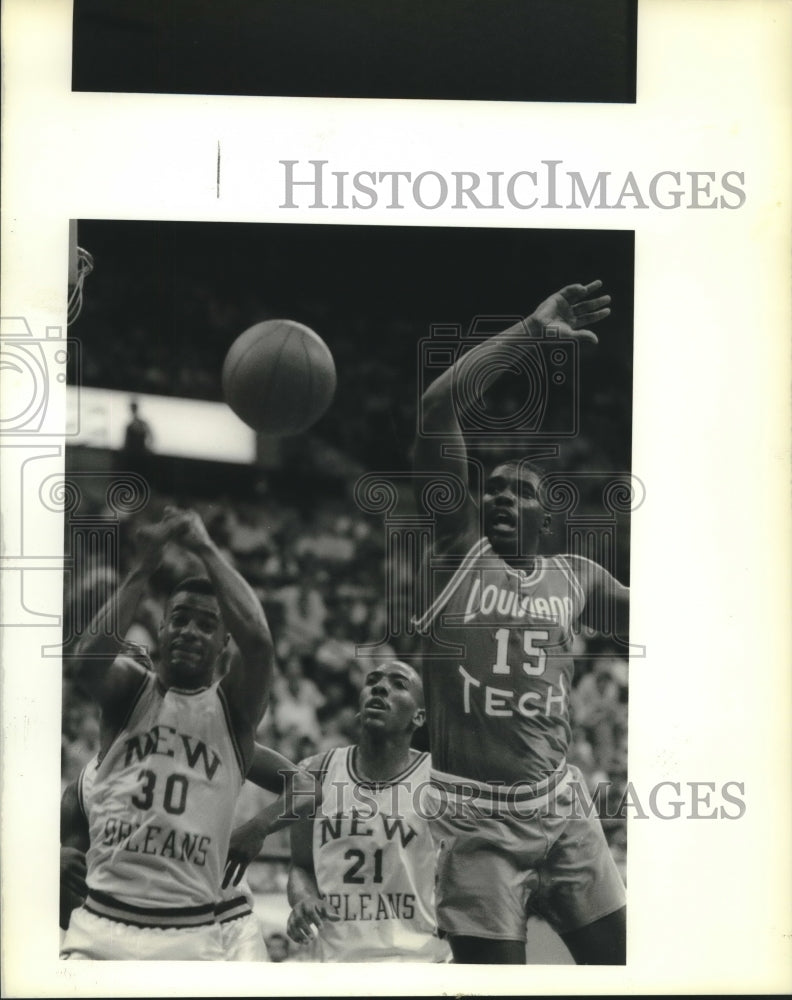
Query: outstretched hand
(572,309)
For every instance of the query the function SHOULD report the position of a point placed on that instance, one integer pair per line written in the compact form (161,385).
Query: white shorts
(93,937)
(243,940)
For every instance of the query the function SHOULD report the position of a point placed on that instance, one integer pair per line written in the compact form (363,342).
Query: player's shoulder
(585,570)
(460,543)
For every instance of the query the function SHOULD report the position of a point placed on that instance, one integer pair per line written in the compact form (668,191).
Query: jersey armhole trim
(80,798)
(566,567)
(477,549)
(231,731)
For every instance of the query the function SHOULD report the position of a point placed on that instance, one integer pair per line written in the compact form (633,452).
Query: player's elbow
(258,650)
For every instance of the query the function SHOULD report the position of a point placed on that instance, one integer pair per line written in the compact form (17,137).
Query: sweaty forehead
(395,668)
(185,600)
(516,472)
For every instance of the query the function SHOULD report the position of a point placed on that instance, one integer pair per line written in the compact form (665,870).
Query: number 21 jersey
(374,860)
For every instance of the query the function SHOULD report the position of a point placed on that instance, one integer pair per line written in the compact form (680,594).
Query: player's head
(391,701)
(192,634)
(514,518)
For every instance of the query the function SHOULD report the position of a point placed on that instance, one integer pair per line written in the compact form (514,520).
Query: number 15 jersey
(498,668)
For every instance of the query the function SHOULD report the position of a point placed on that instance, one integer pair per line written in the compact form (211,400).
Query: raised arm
(110,679)
(457,391)
(249,679)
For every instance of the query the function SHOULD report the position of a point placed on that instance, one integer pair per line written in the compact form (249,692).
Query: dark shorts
(497,866)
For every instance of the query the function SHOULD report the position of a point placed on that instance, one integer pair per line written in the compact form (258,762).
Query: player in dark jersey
(497,666)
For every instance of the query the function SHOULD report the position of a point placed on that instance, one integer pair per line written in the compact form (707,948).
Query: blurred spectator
(295,700)
(304,613)
(135,453)
(598,712)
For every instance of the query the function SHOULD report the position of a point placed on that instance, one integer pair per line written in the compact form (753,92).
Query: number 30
(174,798)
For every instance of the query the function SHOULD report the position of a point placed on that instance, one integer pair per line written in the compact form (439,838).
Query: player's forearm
(280,813)
(441,398)
(301,885)
(103,638)
(270,770)
(241,610)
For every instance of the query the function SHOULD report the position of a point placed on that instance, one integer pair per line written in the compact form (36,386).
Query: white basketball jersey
(375,864)
(161,805)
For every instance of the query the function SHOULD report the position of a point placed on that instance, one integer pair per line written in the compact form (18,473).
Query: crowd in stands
(322,582)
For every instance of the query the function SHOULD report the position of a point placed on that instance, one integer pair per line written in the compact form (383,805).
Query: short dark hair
(522,464)
(193,585)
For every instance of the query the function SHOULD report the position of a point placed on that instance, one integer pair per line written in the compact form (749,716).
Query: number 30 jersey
(161,804)
(374,860)
(497,667)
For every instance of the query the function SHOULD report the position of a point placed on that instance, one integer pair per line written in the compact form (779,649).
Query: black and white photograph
(423,468)
(377,584)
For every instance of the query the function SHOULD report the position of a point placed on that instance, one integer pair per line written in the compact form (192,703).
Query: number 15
(534,666)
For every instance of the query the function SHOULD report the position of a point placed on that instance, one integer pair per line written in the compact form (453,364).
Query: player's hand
(307,917)
(151,539)
(190,531)
(245,846)
(572,309)
(73,870)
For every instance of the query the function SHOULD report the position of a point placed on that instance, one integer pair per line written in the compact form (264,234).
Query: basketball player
(240,929)
(498,711)
(175,747)
(74,845)
(361,883)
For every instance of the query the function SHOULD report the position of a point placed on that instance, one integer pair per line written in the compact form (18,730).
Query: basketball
(279,377)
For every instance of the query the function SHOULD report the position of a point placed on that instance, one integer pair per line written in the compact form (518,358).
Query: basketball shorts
(504,858)
(93,937)
(243,940)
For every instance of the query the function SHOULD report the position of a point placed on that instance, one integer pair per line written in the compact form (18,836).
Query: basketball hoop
(84,264)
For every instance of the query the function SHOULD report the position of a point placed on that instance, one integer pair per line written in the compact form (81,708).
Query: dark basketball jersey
(498,703)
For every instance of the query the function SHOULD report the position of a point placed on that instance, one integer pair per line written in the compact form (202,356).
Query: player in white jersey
(497,670)
(361,882)
(175,747)
(241,932)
